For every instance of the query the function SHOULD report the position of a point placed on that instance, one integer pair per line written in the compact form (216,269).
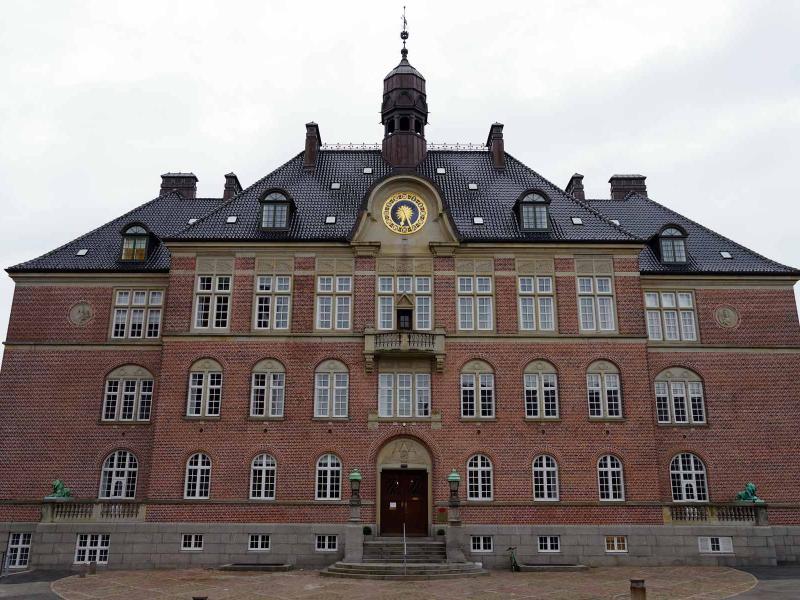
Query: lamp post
(454,481)
(355,495)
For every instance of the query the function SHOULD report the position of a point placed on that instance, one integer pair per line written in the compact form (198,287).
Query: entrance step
(544,568)
(255,567)
(393,550)
(403,572)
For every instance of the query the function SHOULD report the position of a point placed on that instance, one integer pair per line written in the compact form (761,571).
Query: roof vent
(473,186)
(477,220)
(336,185)
(367,170)
(577,221)
(231,219)
(82,252)
(725,254)
(330,220)
(441,170)
(192,221)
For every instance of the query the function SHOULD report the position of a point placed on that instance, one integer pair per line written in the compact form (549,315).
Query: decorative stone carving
(727,317)
(80,314)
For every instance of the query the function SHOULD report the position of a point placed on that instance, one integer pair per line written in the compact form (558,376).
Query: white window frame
(210,398)
(480,478)
(608,384)
(715,544)
(218,293)
(273,290)
(680,402)
(545,479)
(326,542)
(263,542)
(271,394)
(671,316)
(610,479)
(694,478)
(390,288)
(549,544)
(18,550)
(127,312)
(616,544)
(197,477)
(335,292)
(192,542)
(482,386)
(536,303)
(331,394)
(92,548)
(482,544)
(263,477)
(471,293)
(328,480)
(124,393)
(119,471)
(418,390)
(592,299)
(540,391)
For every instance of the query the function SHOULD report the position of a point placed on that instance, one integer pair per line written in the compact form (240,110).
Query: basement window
(327,543)
(336,185)
(725,254)
(577,221)
(330,220)
(473,186)
(82,252)
(477,220)
(231,219)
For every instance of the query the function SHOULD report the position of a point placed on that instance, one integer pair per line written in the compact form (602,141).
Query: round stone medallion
(727,317)
(80,314)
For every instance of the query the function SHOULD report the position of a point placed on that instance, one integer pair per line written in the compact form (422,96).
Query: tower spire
(404,35)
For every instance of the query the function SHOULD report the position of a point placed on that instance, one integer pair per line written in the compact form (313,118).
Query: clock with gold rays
(404,213)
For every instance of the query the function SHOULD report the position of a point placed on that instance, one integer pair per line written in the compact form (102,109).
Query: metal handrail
(405,551)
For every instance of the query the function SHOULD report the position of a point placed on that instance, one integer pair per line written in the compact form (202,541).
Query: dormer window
(275,211)
(673,245)
(134,243)
(534,209)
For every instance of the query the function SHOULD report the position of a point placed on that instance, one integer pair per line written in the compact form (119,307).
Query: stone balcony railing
(75,511)
(405,343)
(716,514)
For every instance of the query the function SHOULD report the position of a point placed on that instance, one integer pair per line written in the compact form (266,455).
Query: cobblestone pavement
(673,583)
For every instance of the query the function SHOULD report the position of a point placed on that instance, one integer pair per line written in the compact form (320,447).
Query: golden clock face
(404,213)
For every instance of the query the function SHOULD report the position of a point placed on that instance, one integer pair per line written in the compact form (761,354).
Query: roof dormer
(672,245)
(137,242)
(276,210)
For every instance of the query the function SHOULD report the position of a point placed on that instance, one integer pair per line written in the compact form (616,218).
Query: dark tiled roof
(163,216)
(494,200)
(646,218)
(404,68)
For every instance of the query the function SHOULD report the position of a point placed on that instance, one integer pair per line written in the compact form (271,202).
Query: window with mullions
(137,314)
(205,389)
(610,482)
(192,542)
(670,316)
(212,301)
(596,303)
(259,542)
(326,543)
(404,395)
(482,543)
(331,390)
(392,291)
(545,478)
(477,391)
(679,398)
(275,211)
(673,245)
(134,243)
(18,551)
(603,391)
(540,389)
(197,483)
(479,478)
(262,477)
(273,294)
(534,210)
(118,479)
(329,478)
(475,303)
(334,301)
(688,478)
(536,303)
(128,394)
(549,543)
(267,389)
(92,548)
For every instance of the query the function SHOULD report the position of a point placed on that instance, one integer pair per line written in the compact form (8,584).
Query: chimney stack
(622,185)
(232,186)
(313,143)
(575,187)
(183,183)
(496,147)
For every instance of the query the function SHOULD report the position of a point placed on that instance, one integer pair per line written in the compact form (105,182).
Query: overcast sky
(99,98)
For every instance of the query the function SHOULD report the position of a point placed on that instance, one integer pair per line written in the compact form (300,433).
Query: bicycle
(514,563)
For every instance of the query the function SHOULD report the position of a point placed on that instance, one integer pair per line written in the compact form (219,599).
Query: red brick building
(206,374)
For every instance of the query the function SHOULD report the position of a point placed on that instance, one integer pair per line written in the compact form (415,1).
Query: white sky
(99,98)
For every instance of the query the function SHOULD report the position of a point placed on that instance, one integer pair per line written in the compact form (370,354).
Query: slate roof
(646,218)
(498,192)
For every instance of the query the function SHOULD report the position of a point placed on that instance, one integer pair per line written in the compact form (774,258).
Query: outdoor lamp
(454,480)
(355,482)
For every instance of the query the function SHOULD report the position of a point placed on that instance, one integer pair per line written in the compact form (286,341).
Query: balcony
(404,343)
(91,511)
(716,514)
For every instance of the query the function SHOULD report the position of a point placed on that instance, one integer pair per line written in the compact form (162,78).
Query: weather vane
(404,34)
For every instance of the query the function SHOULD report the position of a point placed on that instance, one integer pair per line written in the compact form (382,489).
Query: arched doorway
(404,491)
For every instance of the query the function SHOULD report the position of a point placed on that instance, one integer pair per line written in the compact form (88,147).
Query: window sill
(542,419)
(114,340)
(404,419)
(124,423)
(200,418)
(592,332)
(265,418)
(673,342)
(327,419)
(607,419)
(478,419)
(269,332)
(683,425)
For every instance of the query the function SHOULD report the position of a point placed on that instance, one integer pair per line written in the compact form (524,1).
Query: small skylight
(82,252)
(615,221)
(367,170)
(232,219)
(477,220)
(441,170)
(725,254)
(192,221)
(577,221)
(329,220)
(336,185)
(473,186)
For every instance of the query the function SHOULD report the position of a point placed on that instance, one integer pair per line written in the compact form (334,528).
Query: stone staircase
(385,558)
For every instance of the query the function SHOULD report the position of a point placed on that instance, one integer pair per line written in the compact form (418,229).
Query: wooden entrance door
(404,500)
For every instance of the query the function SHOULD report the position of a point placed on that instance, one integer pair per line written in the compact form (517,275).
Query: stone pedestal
(454,540)
(353,543)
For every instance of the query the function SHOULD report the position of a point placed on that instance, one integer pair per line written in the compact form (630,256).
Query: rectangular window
(273,295)
(417,290)
(404,395)
(137,314)
(259,542)
(330,394)
(616,543)
(482,543)
(541,395)
(715,545)
(205,394)
(267,395)
(467,395)
(604,395)
(19,550)
(549,543)
(487,395)
(192,542)
(596,304)
(475,303)
(680,402)
(128,400)
(92,548)
(536,303)
(334,302)
(670,316)
(327,543)
(212,301)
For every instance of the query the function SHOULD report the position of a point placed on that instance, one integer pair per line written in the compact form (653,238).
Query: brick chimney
(496,147)
(183,183)
(622,185)
(313,143)
(575,187)
(232,186)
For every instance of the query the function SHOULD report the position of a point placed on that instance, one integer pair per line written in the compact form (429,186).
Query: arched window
(673,245)
(390,126)
(603,391)
(417,126)
(534,212)
(688,476)
(134,243)
(118,479)
(477,390)
(479,478)
(540,384)
(267,390)
(262,477)
(205,389)
(275,211)
(331,390)
(128,394)
(329,477)
(198,476)
(404,124)
(610,482)
(545,478)
(679,397)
